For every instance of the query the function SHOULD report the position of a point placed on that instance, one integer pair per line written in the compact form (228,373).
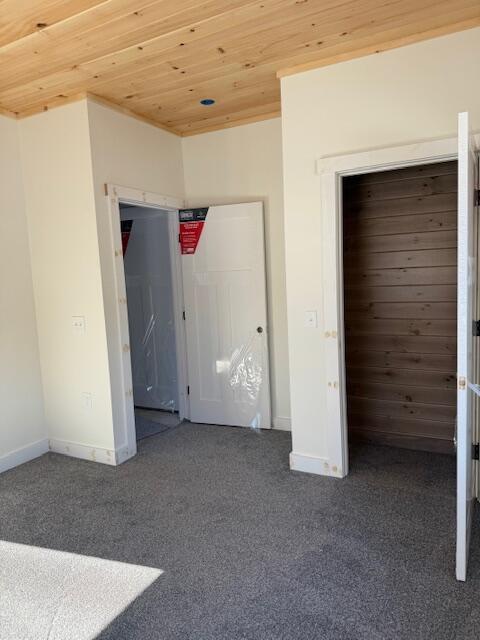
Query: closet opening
(400,306)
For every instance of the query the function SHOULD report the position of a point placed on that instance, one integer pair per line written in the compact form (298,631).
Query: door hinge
(179,239)
(476,198)
(183,315)
(476,328)
(188,390)
(476,451)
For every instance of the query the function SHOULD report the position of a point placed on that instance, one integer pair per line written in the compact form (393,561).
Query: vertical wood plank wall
(400,289)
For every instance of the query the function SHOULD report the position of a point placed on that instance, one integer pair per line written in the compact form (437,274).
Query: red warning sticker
(191,227)
(126,226)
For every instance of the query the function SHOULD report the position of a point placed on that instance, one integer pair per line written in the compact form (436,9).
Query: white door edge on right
(466,360)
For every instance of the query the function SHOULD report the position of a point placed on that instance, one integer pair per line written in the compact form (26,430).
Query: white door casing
(331,170)
(226,317)
(466,308)
(117,314)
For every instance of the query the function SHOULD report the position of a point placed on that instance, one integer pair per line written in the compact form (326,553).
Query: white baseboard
(25,454)
(314,464)
(82,451)
(282,424)
(93,454)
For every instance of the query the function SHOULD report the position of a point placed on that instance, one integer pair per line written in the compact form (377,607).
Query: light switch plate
(87,401)
(311,319)
(78,324)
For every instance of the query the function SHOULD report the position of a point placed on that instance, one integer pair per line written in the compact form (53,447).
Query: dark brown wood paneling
(439,380)
(400,240)
(398,189)
(391,277)
(361,324)
(400,207)
(417,171)
(418,223)
(401,259)
(404,426)
(415,293)
(419,310)
(406,344)
(390,410)
(395,361)
(401,393)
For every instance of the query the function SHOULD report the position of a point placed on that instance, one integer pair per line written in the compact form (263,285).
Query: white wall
(132,153)
(245,164)
(61,216)
(129,153)
(409,94)
(67,155)
(22,422)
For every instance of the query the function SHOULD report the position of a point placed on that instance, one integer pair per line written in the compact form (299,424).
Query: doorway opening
(220,342)
(400,306)
(148,246)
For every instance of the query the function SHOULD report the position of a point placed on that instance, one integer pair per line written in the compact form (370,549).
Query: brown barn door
(400,287)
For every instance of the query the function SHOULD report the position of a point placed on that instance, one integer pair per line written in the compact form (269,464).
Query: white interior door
(223,265)
(466,360)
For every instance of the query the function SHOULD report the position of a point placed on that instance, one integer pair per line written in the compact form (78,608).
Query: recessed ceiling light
(207,102)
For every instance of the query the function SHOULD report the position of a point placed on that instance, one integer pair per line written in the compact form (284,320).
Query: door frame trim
(331,170)
(116,194)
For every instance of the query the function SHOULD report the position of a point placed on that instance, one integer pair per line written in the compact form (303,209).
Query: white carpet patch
(53,595)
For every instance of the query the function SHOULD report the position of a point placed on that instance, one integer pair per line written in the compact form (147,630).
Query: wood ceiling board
(182,115)
(58,101)
(246,116)
(106,29)
(7,113)
(348,50)
(252,41)
(146,54)
(258,113)
(165,53)
(35,93)
(19,19)
(299,33)
(133,114)
(228,85)
(107,62)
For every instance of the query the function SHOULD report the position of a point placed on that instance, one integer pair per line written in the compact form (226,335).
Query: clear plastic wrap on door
(148,278)
(247,375)
(154,368)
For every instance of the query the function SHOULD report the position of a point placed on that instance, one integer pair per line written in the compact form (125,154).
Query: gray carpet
(150,422)
(248,549)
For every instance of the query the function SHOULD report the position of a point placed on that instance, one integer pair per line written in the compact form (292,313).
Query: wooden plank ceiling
(159,58)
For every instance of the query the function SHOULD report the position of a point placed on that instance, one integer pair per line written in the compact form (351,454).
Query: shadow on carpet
(150,422)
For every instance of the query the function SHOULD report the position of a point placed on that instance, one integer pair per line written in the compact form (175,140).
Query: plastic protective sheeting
(148,277)
(246,376)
